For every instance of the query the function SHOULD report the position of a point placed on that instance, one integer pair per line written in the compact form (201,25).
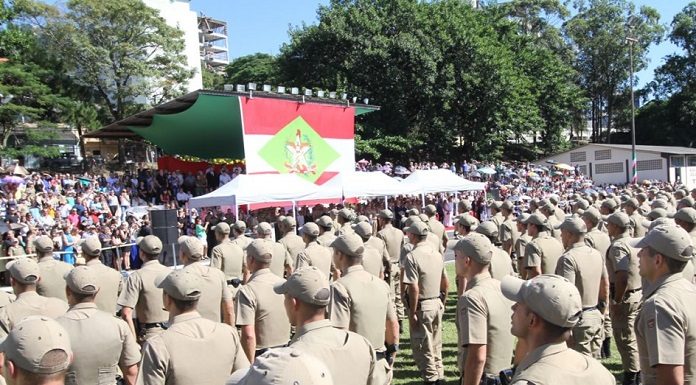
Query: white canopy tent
(440,180)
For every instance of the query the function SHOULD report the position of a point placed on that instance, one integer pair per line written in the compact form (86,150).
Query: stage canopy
(441,180)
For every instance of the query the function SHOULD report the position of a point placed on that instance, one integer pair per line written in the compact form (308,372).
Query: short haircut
(184,305)
(51,358)
(673,266)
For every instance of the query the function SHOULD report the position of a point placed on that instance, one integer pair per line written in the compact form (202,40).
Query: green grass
(406,372)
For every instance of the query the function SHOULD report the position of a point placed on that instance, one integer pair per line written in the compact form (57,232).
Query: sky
(262,25)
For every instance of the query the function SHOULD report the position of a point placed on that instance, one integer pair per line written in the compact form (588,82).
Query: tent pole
(294,211)
(423,200)
(386,203)
(236,211)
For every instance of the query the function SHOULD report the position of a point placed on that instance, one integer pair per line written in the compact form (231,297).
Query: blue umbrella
(486,170)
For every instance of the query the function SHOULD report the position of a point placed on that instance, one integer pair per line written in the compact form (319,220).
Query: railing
(118,252)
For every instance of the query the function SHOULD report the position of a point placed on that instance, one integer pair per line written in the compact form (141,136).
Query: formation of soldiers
(540,297)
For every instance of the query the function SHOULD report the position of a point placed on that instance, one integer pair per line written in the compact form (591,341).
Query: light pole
(634,166)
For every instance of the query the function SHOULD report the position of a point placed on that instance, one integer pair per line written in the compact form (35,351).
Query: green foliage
(258,68)
(212,80)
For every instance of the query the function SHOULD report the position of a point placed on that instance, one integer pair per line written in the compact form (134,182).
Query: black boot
(629,378)
(401,326)
(606,348)
(639,380)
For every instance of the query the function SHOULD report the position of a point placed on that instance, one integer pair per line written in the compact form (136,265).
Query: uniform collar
(622,235)
(84,305)
(93,261)
(577,245)
(306,328)
(543,234)
(46,258)
(312,243)
(478,278)
(260,272)
(150,263)
(28,294)
(662,281)
(188,316)
(353,268)
(541,352)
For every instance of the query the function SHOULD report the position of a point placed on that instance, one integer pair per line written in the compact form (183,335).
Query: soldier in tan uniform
(229,258)
(558,212)
(625,281)
(496,216)
(685,218)
(666,322)
(326,230)
(348,355)
(500,264)
(215,302)
(362,303)
(521,244)
(293,243)
(194,350)
(314,254)
(483,315)
(52,283)
(344,219)
(278,366)
(426,289)
(240,238)
(507,231)
(631,209)
(140,292)
(436,227)
(547,308)
(582,266)
(44,361)
(260,311)
(110,280)
(393,240)
(549,211)
(24,274)
(595,238)
(466,224)
(281,263)
(542,252)
(375,256)
(101,344)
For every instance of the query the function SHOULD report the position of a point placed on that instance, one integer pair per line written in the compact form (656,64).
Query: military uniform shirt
(110,285)
(326,239)
(242,241)
(257,304)
(381,247)
(142,294)
(543,251)
(666,328)
(214,291)
(501,264)
(100,343)
(598,240)
(584,267)
(424,266)
(622,257)
(316,255)
(558,364)
(393,239)
(437,228)
(293,244)
(279,258)
(521,245)
(229,258)
(372,261)
(194,350)
(508,231)
(52,282)
(27,304)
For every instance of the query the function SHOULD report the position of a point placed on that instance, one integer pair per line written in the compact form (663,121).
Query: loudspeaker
(163,218)
(166,234)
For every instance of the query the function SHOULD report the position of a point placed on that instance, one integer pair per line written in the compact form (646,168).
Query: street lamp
(632,40)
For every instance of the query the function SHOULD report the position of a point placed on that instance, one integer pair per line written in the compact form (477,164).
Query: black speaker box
(163,218)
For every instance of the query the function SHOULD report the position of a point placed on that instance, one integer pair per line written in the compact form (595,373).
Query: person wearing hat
(663,325)
(552,223)
(344,219)
(375,256)
(521,243)
(239,236)
(393,240)
(348,355)
(228,257)
(495,215)
(685,218)
(500,264)
(584,267)
(140,292)
(558,212)
(546,309)
(281,263)
(625,293)
(686,202)
(194,350)
(485,344)
(361,301)
(425,287)
(507,231)
(52,283)
(110,280)
(464,225)
(36,353)
(100,342)
(292,242)
(630,207)
(284,365)
(260,311)
(215,302)
(314,254)
(326,231)
(542,252)
(24,275)
(436,227)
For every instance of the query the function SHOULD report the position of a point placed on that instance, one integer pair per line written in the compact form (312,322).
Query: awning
(441,180)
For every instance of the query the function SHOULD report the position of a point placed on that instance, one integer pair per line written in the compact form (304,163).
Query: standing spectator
(69,242)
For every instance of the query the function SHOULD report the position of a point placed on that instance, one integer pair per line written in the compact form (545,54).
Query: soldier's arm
(155,363)
(669,374)
(248,341)
(130,356)
(127,315)
(474,364)
(533,261)
(566,268)
(340,307)
(216,258)
(444,286)
(246,316)
(604,287)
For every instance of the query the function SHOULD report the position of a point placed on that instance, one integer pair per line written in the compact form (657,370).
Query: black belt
(264,350)
(634,290)
(589,308)
(154,325)
(381,355)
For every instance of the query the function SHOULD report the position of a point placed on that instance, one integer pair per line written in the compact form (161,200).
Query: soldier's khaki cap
(552,297)
(657,213)
(311,229)
(260,250)
(150,244)
(424,218)
(592,214)
(350,244)
(222,228)
(412,211)
(467,220)
(363,229)
(522,218)
(581,204)
(553,199)
(417,228)
(488,228)
(548,207)
(537,219)
(362,218)
(30,340)
(325,222)
(642,196)
(687,201)
(192,247)
(477,247)
(283,366)
(385,214)
(609,204)
(82,280)
(43,244)
(495,205)
(659,204)
(24,270)
(289,221)
(430,210)
(670,241)
(410,220)
(239,225)
(657,222)
(632,202)
(181,284)
(686,214)
(464,205)
(620,219)
(91,246)
(345,214)
(574,225)
(264,228)
(507,205)
(307,284)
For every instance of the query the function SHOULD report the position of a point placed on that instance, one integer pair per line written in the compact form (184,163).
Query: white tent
(361,184)
(257,188)
(440,180)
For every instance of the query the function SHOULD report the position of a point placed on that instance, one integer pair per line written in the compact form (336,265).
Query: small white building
(611,163)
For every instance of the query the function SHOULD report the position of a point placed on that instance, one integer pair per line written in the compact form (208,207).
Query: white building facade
(611,163)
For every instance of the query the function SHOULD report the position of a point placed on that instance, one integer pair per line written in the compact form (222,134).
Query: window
(602,155)
(677,161)
(653,164)
(608,168)
(583,170)
(579,156)
(692,161)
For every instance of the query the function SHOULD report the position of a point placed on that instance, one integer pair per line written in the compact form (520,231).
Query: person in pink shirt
(73,217)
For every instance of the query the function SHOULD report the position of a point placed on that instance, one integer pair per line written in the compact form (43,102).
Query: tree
(258,68)
(212,80)
(123,51)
